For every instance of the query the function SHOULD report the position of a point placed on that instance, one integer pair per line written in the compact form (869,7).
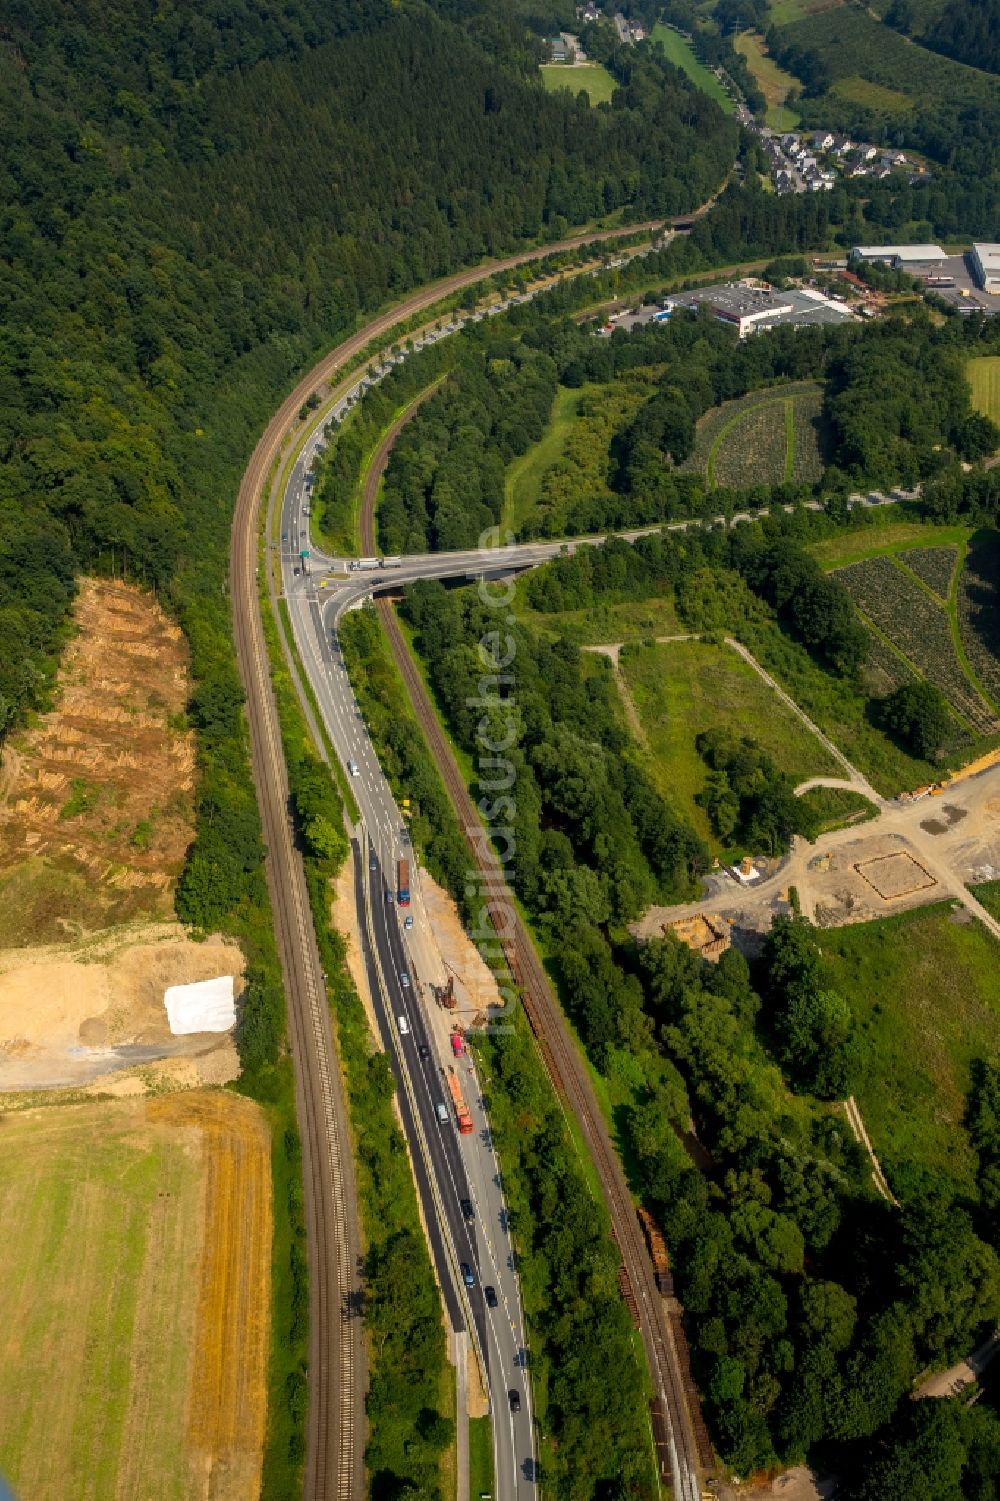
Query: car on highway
(469,1277)
(424,1051)
(404,980)
(404,1026)
(491,1296)
(408,922)
(442,1113)
(352,767)
(468,1212)
(514,1398)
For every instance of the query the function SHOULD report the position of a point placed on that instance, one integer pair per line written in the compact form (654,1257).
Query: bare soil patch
(71,1014)
(896,875)
(97,799)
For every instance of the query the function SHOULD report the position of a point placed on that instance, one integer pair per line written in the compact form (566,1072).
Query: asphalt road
(450,1167)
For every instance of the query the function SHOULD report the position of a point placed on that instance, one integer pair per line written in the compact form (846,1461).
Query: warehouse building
(986,266)
(751,308)
(899,257)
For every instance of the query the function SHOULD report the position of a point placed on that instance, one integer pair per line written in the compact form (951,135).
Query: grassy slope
(774,81)
(680,52)
(683,687)
(926,988)
(524,476)
(602,623)
(593,77)
(891,537)
(984,378)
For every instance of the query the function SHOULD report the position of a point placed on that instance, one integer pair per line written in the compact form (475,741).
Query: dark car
(424,1051)
(514,1398)
(467,1209)
(468,1275)
(491,1296)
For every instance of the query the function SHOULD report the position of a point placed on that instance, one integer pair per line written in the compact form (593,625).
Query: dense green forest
(812,1306)
(201,201)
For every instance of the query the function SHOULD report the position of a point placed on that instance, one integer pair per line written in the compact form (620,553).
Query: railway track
(681,1438)
(335,1425)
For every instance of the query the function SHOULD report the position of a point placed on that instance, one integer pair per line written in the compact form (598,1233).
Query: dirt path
(963,1373)
(857,1125)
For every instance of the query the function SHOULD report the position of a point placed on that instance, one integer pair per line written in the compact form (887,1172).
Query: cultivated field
(134,1306)
(679,51)
(919,627)
(763,438)
(592,77)
(96,801)
(984,378)
(925,987)
(681,688)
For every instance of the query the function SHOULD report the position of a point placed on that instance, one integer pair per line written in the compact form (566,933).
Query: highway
(335,1424)
(450,1167)
(318,590)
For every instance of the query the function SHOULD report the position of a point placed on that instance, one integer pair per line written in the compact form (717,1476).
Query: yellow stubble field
(134,1306)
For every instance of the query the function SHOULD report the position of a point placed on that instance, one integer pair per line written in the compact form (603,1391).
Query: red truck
(462,1113)
(457,1044)
(403,883)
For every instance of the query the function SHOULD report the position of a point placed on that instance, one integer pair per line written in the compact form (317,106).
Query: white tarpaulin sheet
(205,1006)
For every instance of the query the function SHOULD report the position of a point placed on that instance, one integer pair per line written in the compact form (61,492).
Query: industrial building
(986,267)
(899,257)
(751,307)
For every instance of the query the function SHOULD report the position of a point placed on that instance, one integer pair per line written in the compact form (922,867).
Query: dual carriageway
(448,1169)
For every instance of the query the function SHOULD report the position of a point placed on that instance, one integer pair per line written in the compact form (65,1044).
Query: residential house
(822,140)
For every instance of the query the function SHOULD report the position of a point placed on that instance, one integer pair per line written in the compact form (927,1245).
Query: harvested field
(99,796)
(151,1220)
(895,876)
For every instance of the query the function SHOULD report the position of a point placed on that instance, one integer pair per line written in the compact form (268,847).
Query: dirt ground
(102,788)
(151,1219)
(71,1014)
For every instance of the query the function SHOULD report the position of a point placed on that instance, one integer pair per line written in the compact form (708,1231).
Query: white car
(352,767)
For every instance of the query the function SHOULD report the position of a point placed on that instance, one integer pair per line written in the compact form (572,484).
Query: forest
(811,1305)
(193,208)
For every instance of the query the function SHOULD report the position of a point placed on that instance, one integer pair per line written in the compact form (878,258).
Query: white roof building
(986,266)
(898,255)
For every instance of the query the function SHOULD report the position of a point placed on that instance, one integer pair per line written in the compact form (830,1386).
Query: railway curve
(335,1425)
